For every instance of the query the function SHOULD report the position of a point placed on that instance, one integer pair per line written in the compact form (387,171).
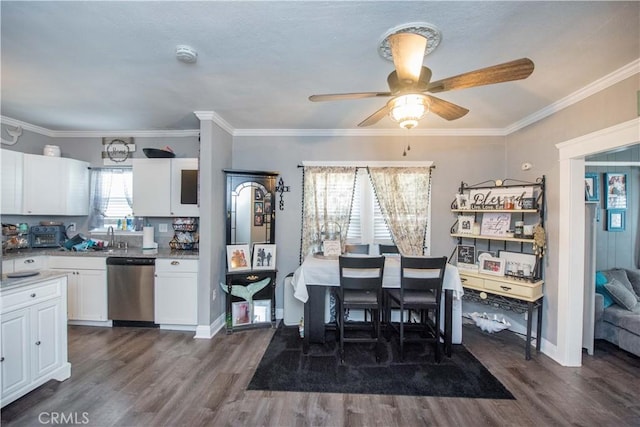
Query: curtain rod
(383,164)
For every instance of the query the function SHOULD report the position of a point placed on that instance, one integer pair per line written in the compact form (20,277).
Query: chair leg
(401,333)
(436,314)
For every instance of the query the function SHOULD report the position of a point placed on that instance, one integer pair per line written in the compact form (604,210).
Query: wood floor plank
(144,377)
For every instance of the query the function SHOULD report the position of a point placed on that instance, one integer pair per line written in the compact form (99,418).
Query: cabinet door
(15,350)
(73,297)
(176,298)
(151,187)
(46,331)
(11,185)
(76,187)
(7,266)
(43,185)
(92,294)
(184,187)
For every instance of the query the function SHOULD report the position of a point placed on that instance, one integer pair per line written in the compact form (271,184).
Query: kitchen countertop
(11,283)
(131,252)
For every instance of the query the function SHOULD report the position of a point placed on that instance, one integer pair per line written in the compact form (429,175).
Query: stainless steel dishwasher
(130,289)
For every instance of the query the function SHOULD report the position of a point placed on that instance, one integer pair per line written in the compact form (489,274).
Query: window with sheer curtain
(110,199)
(394,210)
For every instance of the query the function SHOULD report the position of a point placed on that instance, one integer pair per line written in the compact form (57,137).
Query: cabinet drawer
(176,265)
(472,282)
(30,263)
(77,263)
(30,295)
(523,291)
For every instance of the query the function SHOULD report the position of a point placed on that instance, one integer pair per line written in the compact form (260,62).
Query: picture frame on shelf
(331,248)
(518,264)
(264,256)
(240,313)
(462,202)
(465,224)
(495,224)
(261,311)
(492,266)
(615,220)
(591,187)
(616,185)
(481,254)
(238,257)
(466,257)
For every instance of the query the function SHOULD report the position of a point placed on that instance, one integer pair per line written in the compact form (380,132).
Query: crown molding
(617,76)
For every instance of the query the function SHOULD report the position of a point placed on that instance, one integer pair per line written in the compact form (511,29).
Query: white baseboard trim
(208,331)
(104,324)
(178,327)
(279,313)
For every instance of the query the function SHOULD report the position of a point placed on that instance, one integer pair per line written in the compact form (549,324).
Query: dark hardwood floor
(149,377)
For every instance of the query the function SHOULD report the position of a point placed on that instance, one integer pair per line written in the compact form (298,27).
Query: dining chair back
(388,249)
(360,288)
(356,249)
(419,294)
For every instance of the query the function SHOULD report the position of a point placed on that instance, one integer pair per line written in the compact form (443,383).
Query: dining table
(313,280)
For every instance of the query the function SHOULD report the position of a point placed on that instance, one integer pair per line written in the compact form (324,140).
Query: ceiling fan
(410,82)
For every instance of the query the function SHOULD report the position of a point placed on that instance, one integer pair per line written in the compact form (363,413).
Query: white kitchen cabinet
(11,182)
(165,187)
(33,344)
(55,186)
(87,290)
(176,292)
(7,266)
(37,262)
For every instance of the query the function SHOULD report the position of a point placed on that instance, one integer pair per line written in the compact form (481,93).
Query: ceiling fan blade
(509,71)
(343,96)
(407,51)
(375,117)
(446,109)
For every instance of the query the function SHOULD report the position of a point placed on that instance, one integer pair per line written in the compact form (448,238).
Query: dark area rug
(284,367)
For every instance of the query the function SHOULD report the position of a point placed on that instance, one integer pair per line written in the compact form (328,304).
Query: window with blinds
(366,224)
(117,208)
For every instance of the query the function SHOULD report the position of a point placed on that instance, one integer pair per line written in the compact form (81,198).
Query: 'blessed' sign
(494,198)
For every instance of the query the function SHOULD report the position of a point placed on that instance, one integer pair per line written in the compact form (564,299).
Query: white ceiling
(111,66)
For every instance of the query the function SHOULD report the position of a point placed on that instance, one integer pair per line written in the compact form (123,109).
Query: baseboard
(170,327)
(208,331)
(103,324)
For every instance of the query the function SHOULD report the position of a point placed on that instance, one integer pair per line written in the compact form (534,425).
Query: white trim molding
(208,331)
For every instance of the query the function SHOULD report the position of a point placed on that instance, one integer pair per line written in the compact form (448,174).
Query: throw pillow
(634,278)
(601,280)
(621,295)
(621,276)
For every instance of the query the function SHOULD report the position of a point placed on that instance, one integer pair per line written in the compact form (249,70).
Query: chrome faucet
(112,237)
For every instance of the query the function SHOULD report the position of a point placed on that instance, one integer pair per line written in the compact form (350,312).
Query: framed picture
(267,207)
(495,223)
(615,220)
(258,207)
(462,201)
(467,257)
(465,224)
(518,264)
(258,220)
(494,266)
(482,254)
(591,187)
(261,311)
(238,257)
(616,190)
(241,313)
(257,194)
(264,256)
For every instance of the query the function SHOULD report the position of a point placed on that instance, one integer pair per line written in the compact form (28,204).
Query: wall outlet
(71,227)
(163,228)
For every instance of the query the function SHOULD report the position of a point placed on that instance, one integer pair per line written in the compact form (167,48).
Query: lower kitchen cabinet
(176,292)
(87,295)
(33,340)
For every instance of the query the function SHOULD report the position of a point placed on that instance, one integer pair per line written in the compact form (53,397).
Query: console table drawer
(472,281)
(515,290)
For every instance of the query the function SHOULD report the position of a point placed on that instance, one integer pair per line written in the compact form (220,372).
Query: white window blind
(366,224)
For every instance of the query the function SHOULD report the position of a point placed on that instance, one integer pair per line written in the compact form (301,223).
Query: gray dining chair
(420,293)
(356,249)
(360,290)
(388,249)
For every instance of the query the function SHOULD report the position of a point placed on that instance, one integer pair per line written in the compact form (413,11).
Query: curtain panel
(404,194)
(99,196)
(327,199)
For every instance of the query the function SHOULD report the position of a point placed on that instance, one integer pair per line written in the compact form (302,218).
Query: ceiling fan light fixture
(408,109)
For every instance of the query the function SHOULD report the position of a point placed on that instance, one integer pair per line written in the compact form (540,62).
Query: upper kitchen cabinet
(165,187)
(11,182)
(55,186)
(44,185)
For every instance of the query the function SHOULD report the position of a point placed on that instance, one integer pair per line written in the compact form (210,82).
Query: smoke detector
(186,54)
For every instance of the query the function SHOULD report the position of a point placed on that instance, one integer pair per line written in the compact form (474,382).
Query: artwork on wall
(616,184)
(615,220)
(591,187)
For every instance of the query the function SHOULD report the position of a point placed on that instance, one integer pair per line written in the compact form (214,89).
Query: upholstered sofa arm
(598,308)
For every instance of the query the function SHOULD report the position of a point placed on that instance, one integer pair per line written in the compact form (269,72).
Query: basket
(185,227)
(193,246)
